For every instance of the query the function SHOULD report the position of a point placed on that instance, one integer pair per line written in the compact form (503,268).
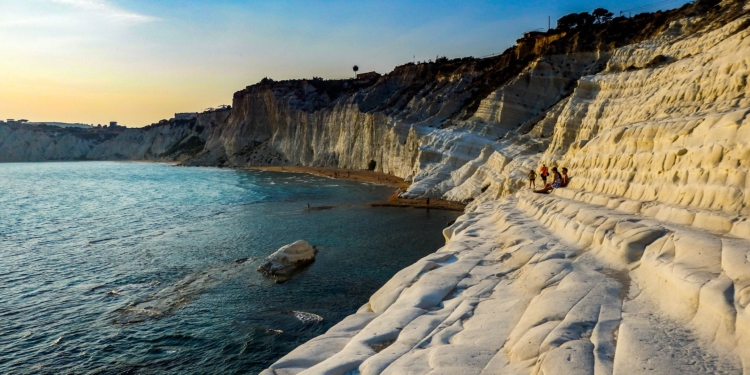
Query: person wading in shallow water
(532,179)
(544,172)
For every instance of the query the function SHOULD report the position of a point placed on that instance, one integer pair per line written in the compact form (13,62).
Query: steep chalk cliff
(462,129)
(640,265)
(40,143)
(174,140)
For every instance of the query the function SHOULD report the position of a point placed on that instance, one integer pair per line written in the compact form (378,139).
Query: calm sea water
(138,268)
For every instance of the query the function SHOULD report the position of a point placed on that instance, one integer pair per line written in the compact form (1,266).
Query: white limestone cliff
(29,144)
(640,265)
(175,140)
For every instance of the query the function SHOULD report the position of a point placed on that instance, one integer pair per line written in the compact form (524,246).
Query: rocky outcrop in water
(288,260)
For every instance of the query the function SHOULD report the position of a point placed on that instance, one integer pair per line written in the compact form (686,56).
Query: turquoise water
(119,268)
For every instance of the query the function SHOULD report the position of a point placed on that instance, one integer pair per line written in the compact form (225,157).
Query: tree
(586,19)
(568,21)
(356,69)
(602,15)
(575,20)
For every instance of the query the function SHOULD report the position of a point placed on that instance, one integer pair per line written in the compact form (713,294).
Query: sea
(148,268)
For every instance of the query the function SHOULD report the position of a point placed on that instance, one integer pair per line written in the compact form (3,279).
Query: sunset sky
(138,61)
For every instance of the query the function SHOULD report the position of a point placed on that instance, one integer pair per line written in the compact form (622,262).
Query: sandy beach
(373,177)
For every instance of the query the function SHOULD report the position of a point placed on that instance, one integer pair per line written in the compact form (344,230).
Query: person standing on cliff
(532,179)
(544,172)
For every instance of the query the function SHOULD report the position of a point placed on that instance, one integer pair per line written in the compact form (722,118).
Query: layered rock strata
(549,284)
(463,129)
(640,265)
(173,140)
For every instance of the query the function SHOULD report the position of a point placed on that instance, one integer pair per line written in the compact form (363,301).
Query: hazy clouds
(138,61)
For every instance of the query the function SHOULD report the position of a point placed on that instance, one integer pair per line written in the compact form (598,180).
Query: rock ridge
(168,140)
(640,265)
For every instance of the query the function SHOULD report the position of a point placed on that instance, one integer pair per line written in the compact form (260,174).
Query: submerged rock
(177,294)
(287,260)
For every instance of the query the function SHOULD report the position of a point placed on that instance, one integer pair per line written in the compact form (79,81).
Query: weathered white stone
(640,265)
(174,141)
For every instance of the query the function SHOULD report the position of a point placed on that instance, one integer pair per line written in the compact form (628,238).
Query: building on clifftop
(368,75)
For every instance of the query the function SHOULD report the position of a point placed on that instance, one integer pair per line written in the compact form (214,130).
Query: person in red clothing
(544,172)
(556,183)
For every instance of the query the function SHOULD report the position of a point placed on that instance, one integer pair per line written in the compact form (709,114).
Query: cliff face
(175,140)
(641,264)
(19,144)
(383,121)
(463,129)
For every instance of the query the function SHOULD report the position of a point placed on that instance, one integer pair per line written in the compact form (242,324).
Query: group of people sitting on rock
(559,179)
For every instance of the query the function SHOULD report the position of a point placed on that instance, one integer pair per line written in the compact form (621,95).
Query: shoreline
(360,175)
(363,175)
(435,204)
(222,236)
(150,161)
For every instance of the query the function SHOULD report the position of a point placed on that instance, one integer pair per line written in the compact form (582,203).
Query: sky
(140,61)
